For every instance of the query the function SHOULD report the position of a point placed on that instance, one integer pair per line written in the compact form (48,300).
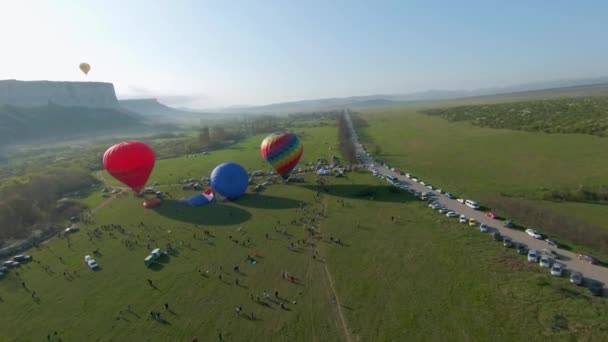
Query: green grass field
(483,163)
(421,278)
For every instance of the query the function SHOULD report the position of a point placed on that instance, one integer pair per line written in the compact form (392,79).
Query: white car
(550,253)
(430,186)
(484,228)
(545,261)
(439,191)
(451,214)
(423,183)
(448,195)
(92,264)
(408,175)
(87,258)
(557,270)
(471,204)
(463,219)
(461,200)
(532,255)
(415,180)
(533,233)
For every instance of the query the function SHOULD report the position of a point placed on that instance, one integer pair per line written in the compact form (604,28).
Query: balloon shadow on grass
(266,202)
(379,193)
(209,214)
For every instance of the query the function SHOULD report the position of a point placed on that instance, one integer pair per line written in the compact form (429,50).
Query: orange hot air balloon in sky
(85,67)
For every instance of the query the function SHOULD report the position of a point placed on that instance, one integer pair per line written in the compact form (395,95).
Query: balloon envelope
(85,67)
(130,162)
(282,150)
(151,203)
(229,180)
(200,199)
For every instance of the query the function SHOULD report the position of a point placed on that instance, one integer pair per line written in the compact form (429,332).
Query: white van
(471,204)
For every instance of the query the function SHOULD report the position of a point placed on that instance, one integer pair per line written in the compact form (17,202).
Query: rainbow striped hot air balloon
(282,150)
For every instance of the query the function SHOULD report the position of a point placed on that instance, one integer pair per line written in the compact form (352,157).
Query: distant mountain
(42,93)
(151,108)
(56,123)
(384,99)
(154,110)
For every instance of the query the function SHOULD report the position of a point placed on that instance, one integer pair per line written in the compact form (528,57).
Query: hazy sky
(256,52)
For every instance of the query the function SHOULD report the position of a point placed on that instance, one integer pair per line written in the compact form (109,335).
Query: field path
(330,282)
(345,327)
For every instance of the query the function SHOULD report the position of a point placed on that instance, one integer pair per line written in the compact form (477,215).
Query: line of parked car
(14,262)
(546,258)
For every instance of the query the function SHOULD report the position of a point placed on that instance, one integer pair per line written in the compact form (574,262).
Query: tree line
(347,148)
(33,205)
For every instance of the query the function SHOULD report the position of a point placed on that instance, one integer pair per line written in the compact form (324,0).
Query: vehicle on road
(422,183)
(22,257)
(552,242)
(596,288)
(70,230)
(576,278)
(550,253)
(452,214)
(408,176)
(448,195)
(483,228)
(508,224)
(545,261)
(471,204)
(522,249)
(491,215)
(532,255)
(507,242)
(463,219)
(415,180)
(587,258)
(439,191)
(443,210)
(430,186)
(472,222)
(533,233)
(497,236)
(10,263)
(461,200)
(557,270)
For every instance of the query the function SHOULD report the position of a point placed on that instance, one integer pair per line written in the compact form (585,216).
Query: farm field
(486,163)
(421,277)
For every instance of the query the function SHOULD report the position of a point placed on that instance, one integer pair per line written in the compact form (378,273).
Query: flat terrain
(421,277)
(485,163)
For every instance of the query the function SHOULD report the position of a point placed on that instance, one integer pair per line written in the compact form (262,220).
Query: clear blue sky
(255,52)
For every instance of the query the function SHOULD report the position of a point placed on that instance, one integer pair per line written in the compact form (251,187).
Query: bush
(584,115)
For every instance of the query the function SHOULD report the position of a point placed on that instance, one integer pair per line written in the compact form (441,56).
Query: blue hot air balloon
(229,180)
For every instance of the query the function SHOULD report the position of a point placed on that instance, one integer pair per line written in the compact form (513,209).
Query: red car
(491,215)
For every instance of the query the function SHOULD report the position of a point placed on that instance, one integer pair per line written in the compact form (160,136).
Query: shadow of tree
(267,202)
(211,214)
(381,193)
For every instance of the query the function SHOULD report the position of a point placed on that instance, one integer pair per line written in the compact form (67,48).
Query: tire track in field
(330,282)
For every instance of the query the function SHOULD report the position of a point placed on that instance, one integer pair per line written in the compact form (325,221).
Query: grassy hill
(55,123)
(422,277)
